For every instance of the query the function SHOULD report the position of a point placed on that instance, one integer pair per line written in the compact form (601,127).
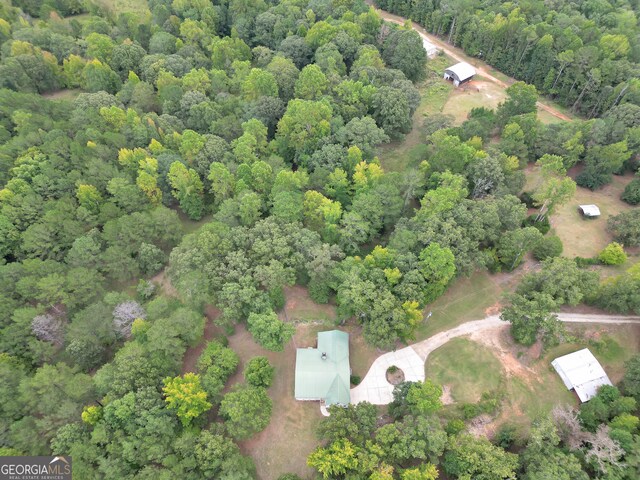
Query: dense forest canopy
(228,149)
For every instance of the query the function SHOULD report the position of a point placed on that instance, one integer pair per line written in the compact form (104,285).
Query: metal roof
(431,49)
(323,373)
(590,210)
(581,372)
(462,70)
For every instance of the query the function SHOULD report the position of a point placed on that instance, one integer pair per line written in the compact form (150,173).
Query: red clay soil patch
(500,342)
(211,330)
(494,309)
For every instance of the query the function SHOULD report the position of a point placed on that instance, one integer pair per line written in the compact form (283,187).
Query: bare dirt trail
(375,389)
(458,54)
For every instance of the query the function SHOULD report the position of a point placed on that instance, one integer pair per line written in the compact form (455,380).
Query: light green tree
(186,396)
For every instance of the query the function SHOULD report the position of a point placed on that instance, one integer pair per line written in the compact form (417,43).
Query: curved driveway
(375,389)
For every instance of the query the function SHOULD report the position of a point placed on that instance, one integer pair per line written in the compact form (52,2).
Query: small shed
(590,211)
(459,73)
(581,371)
(323,373)
(430,48)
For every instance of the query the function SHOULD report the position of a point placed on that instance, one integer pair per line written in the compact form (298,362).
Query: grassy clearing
(290,437)
(410,151)
(65,94)
(547,118)
(121,6)
(299,308)
(474,94)
(293,424)
(468,368)
(530,386)
(612,345)
(466,299)
(585,237)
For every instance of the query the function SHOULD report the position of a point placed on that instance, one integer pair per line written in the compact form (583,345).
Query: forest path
(457,54)
(375,389)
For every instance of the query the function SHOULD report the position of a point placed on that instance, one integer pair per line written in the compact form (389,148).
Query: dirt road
(375,389)
(458,54)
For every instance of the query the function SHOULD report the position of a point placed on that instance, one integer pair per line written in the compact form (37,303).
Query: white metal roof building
(431,49)
(459,73)
(589,210)
(581,371)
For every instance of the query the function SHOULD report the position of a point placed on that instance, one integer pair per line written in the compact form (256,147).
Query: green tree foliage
(258,372)
(416,398)
(216,364)
(631,193)
(403,50)
(620,294)
(548,247)
(353,422)
(186,396)
(631,380)
(468,457)
(246,410)
(337,459)
(269,331)
(515,244)
(187,189)
(303,125)
(311,83)
(613,254)
(392,111)
(625,227)
(532,317)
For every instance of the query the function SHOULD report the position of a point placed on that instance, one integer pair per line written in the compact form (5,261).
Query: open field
(299,308)
(467,299)
(290,437)
(121,6)
(492,361)
(474,94)
(466,367)
(64,94)
(407,153)
(585,237)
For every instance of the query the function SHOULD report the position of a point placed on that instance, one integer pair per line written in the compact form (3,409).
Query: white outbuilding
(591,211)
(459,73)
(581,371)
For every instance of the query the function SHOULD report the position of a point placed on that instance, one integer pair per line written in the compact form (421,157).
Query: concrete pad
(375,388)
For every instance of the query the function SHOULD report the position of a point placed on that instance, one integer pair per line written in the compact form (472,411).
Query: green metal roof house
(323,373)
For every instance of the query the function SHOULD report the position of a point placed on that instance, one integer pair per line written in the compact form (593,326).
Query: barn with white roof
(581,371)
(459,73)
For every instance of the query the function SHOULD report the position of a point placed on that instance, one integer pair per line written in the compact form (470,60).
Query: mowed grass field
(474,94)
(467,367)
(580,236)
(587,237)
(530,387)
(466,299)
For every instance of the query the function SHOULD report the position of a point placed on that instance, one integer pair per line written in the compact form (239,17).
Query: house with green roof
(323,373)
